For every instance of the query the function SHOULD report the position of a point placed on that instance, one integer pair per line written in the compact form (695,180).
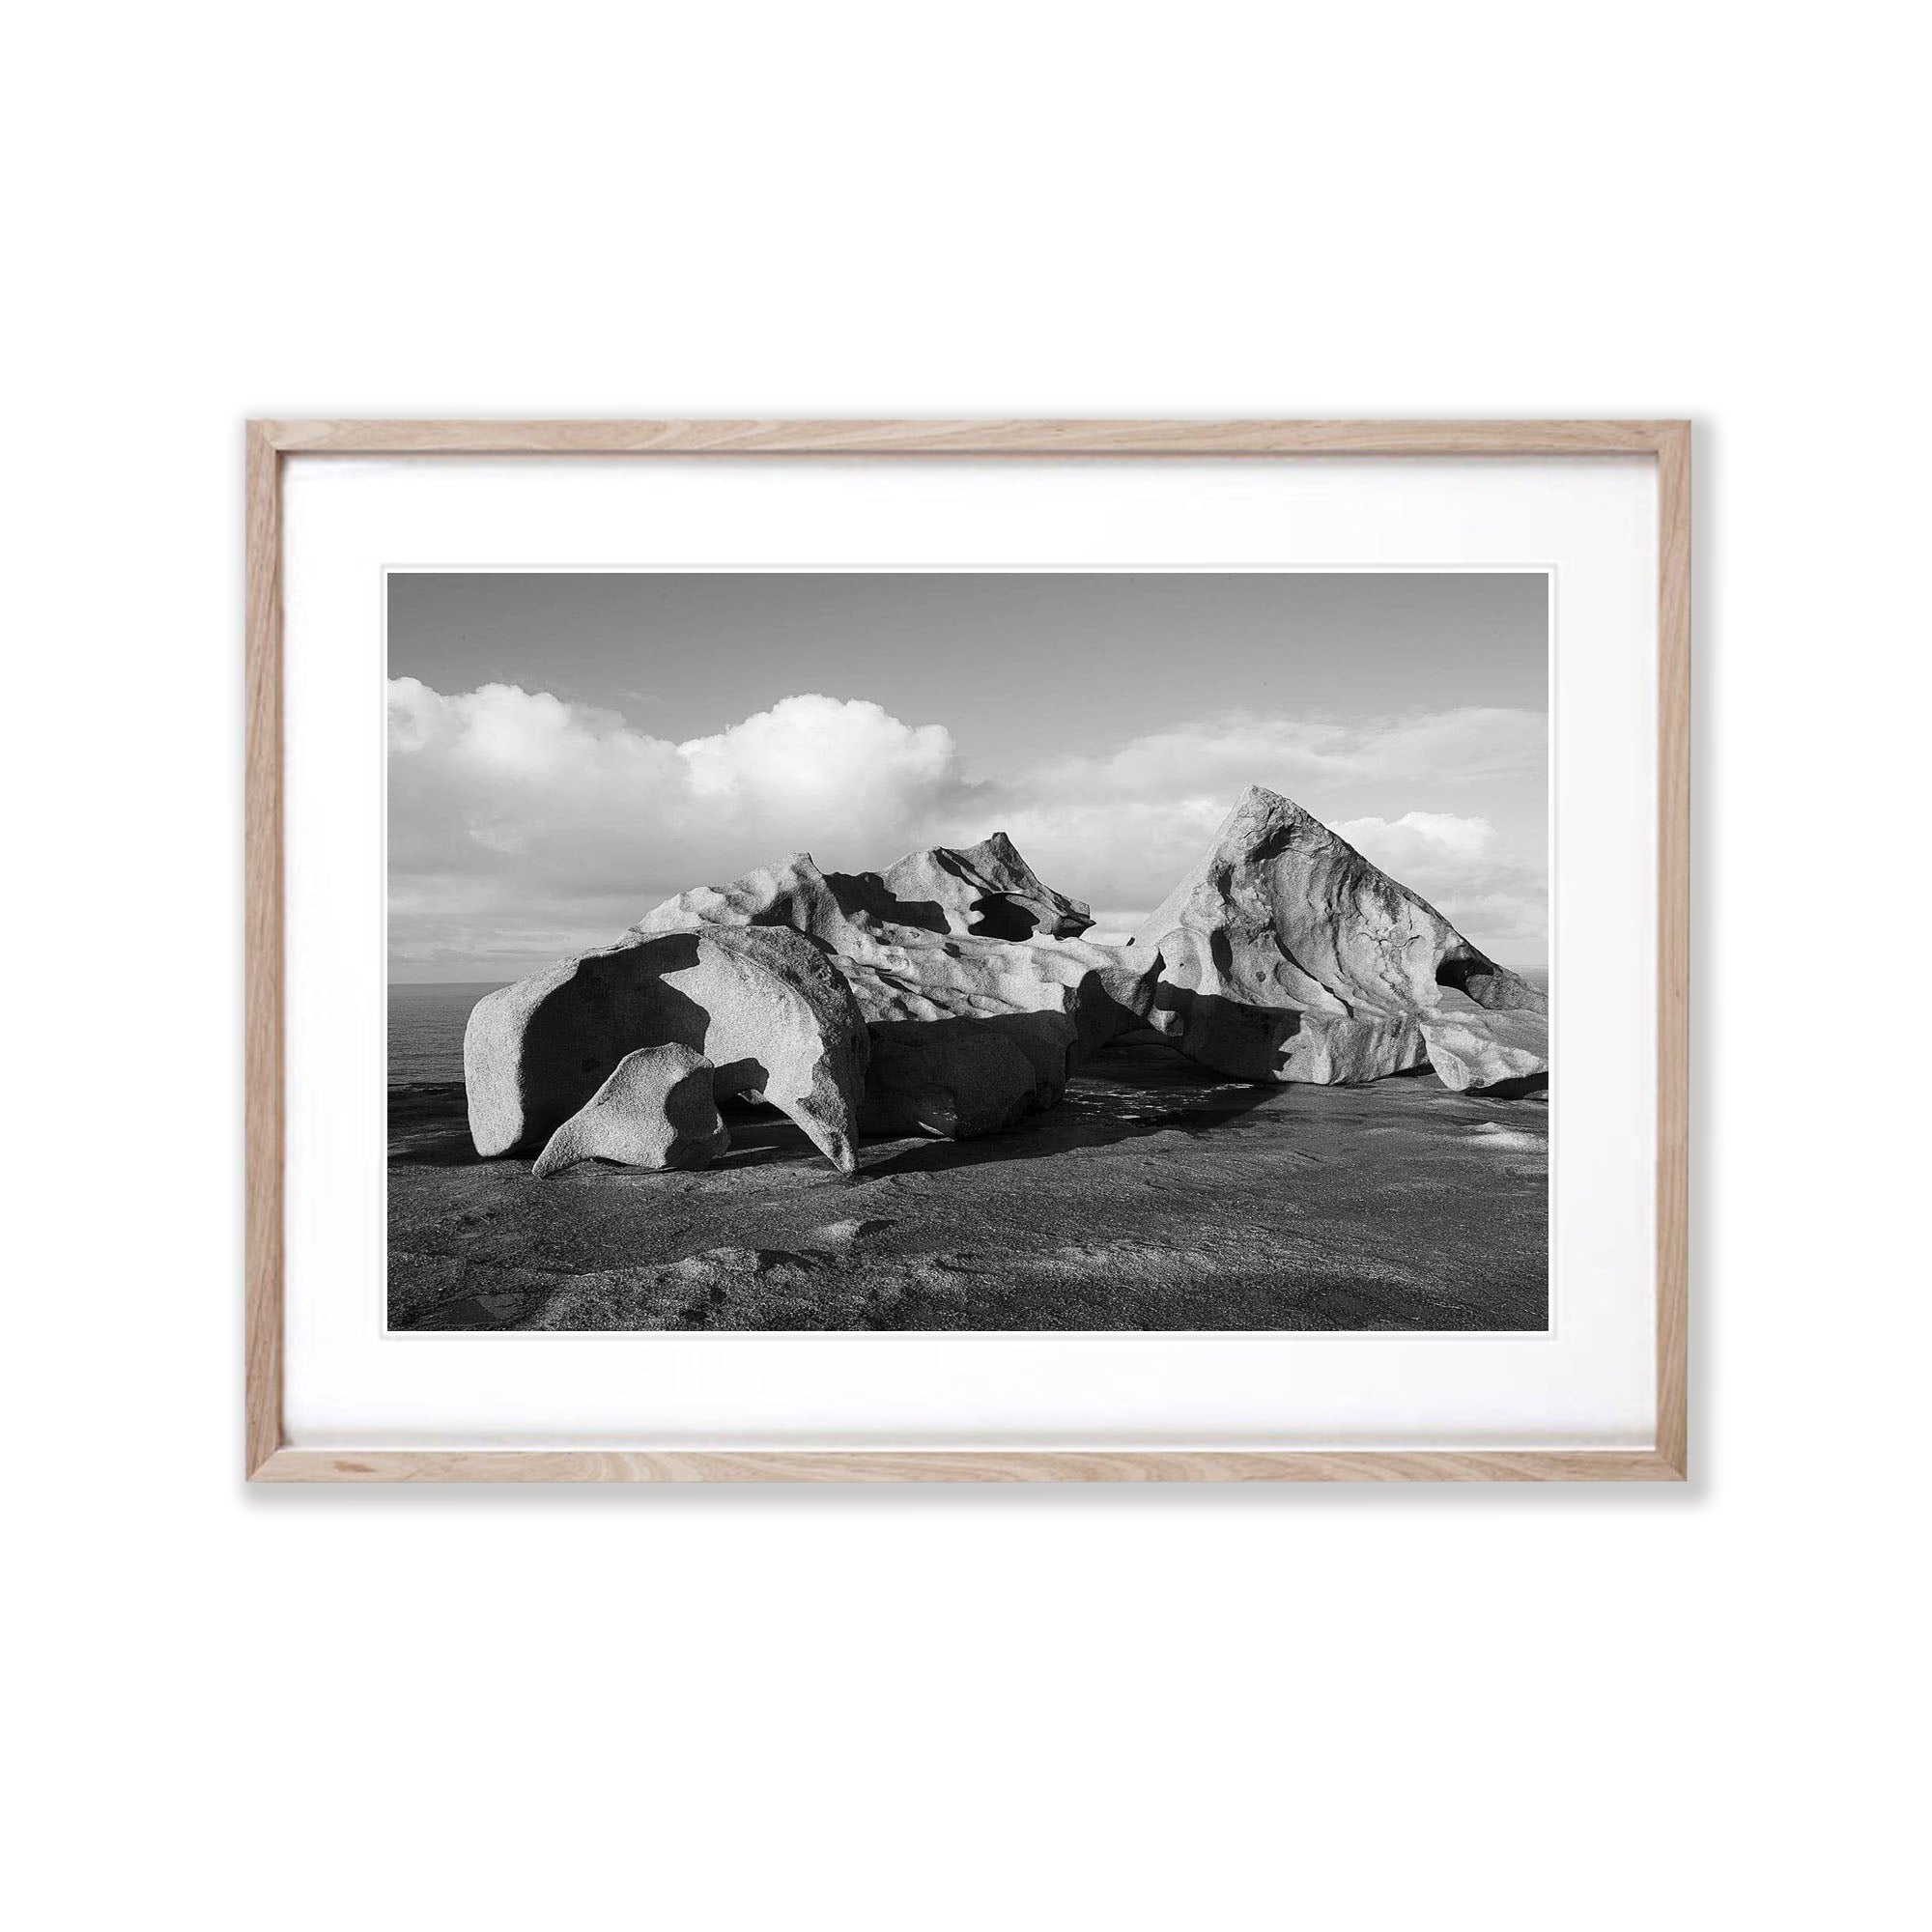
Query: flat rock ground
(1155,1196)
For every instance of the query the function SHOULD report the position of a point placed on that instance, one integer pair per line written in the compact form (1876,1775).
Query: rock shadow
(997,917)
(866,896)
(1089,1116)
(1525,1088)
(429,1123)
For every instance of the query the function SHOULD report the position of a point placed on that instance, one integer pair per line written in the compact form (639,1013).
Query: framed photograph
(967,951)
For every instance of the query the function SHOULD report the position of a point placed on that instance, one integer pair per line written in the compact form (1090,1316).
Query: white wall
(966,1709)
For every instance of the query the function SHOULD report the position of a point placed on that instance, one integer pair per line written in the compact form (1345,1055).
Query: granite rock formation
(763,1004)
(1285,956)
(903,962)
(955,994)
(658,1110)
(978,992)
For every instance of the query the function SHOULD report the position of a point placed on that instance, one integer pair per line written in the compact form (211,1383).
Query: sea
(426,1026)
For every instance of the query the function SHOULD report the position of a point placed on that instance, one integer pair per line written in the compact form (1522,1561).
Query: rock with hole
(763,1004)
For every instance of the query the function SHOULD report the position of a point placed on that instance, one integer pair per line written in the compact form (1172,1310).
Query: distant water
(426,1030)
(426,1026)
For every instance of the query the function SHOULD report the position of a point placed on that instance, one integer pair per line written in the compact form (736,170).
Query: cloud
(506,781)
(1460,866)
(1418,836)
(522,825)
(1225,750)
(835,768)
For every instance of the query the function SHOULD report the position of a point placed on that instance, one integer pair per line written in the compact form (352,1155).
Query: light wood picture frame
(270,1458)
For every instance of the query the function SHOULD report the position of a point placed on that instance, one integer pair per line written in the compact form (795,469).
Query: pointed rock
(658,1110)
(1286,956)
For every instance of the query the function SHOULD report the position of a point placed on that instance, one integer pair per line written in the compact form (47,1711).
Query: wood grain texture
(269,1460)
(262,1326)
(1673,945)
(1067,1465)
(834,437)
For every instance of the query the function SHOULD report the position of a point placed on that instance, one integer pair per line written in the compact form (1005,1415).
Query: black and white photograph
(968,951)
(903,1025)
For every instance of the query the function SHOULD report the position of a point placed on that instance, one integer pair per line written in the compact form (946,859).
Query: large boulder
(986,890)
(1285,956)
(763,1006)
(658,1110)
(958,1078)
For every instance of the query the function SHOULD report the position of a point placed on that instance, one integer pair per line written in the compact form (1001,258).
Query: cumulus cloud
(503,774)
(522,826)
(514,806)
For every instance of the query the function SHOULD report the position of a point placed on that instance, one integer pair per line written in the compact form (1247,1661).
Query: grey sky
(1099,717)
(1016,666)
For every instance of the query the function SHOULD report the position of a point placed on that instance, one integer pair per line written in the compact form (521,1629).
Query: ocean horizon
(426,1022)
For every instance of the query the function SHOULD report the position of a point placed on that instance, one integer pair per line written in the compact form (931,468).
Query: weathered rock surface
(763,1004)
(839,909)
(1474,1050)
(987,890)
(658,1110)
(958,1078)
(901,970)
(1289,1043)
(962,981)
(1285,956)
